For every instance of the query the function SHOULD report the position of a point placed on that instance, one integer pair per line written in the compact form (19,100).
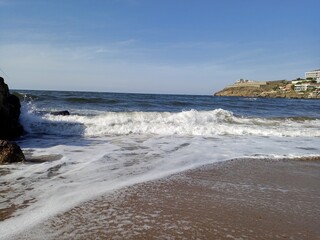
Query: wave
(26,97)
(186,123)
(91,100)
(180,103)
(63,97)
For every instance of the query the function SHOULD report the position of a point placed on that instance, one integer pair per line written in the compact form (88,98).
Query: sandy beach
(239,199)
(137,119)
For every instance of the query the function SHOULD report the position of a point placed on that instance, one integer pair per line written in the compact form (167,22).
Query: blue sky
(155,46)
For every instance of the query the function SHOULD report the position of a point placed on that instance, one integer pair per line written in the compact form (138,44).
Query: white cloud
(47,67)
(121,67)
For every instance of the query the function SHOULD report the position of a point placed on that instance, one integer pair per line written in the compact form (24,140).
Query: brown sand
(240,199)
(7,192)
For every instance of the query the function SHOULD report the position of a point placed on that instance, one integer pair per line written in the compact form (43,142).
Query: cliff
(271,89)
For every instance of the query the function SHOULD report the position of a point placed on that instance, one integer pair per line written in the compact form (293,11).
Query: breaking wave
(186,123)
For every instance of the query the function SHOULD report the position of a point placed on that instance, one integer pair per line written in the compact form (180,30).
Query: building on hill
(244,81)
(315,74)
(299,81)
(306,86)
(247,83)
(300,87)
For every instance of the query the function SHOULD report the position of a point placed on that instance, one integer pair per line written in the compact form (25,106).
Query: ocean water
(114,140)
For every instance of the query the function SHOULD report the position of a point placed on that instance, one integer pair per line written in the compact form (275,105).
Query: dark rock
(62,113)
(10,152)
(10,126)
(43,158)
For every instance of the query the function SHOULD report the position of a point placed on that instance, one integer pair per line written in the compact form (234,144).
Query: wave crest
(186,123)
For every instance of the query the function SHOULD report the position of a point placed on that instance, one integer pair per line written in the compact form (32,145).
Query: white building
(315,74)
(294,82)
(244,81)
(306,86)
(301,87)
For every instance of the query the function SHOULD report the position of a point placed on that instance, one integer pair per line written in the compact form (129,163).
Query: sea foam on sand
(241,199)
(105,152)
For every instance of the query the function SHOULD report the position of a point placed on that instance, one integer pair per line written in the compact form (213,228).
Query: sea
(115,140)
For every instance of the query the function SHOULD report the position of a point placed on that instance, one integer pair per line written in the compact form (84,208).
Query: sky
(155,46)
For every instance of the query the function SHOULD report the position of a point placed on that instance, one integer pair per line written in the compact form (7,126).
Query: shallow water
(114,140)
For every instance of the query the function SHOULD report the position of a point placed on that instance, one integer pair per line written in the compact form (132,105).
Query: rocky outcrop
(10,127)
(10,152)
(61,113)
(258,92)
(272,89)
(239,92)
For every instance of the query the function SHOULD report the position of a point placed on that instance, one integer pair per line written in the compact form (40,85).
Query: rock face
(10,152)
(61,113)
(10,127)
(239,92)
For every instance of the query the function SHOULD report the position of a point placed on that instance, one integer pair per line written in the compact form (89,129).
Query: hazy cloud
(45,66)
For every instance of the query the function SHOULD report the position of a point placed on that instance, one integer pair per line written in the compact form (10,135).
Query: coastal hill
(271,89)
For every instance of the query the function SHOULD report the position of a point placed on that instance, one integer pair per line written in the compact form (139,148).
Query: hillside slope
(272,89)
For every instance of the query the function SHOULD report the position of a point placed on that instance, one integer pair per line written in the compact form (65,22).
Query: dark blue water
(123,102)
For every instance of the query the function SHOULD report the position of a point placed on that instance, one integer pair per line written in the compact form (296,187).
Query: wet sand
(239,199)
(7,192)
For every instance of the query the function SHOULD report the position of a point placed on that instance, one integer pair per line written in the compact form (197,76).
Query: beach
(238,199)
(112,125)
(145,166)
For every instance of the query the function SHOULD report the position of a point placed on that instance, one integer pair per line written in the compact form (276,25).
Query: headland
(272,89)
(305,88)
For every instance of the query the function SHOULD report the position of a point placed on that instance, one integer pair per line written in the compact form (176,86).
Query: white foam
(121,149)
(187,123)
(91,169)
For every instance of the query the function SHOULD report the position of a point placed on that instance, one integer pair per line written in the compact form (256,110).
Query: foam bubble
(186,123)
(94,166)
(115,150)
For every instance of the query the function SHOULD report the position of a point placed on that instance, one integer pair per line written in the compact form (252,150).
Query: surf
(218,122)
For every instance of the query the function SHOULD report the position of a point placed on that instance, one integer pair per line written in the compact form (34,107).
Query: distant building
(294,82)
(244,81)
(247,83)
(300,87)
(306,86)
(315,74)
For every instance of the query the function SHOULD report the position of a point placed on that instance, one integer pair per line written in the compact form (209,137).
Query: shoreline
(236,199)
